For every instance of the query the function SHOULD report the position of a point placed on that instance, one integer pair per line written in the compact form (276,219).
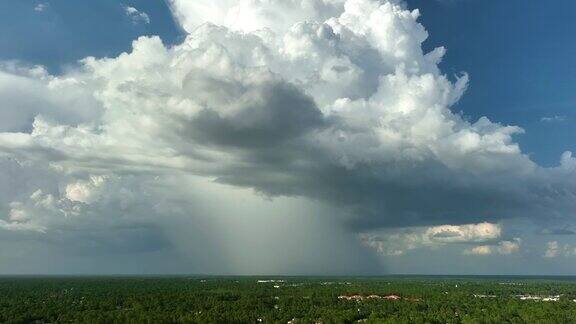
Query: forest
(192,299)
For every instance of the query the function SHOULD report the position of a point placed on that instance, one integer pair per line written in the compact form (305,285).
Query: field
(286,300)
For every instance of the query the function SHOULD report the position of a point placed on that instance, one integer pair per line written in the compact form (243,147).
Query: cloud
(479,250)
(502,248)
(249,16)
(323,102)
(28,92)
(143,216)
(87,191)
(136,16)
(41,7)
(464,233)
(238,116)
(396,242)
(509,247)
(552,249)
(553,119)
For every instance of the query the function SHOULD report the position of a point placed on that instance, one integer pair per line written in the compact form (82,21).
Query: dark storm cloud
(392,196)
(266,116)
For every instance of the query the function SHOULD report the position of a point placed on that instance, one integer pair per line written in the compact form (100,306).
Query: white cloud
(552,249)
(85,191)
(479,250)
(502,248)
(28,92)
(249,16)
(509,247)
(398,242)
(41,7)
(136,16)
(464,233)
(553,119)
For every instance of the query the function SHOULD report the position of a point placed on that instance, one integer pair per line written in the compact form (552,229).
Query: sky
(302,137)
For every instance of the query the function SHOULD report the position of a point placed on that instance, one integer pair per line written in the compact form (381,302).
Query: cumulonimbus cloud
(329,100)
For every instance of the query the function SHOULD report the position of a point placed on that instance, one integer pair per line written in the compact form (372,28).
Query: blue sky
(521,62)
(186,150)
(59,32)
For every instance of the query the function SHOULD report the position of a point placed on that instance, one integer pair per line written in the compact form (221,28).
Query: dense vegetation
(300,300)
